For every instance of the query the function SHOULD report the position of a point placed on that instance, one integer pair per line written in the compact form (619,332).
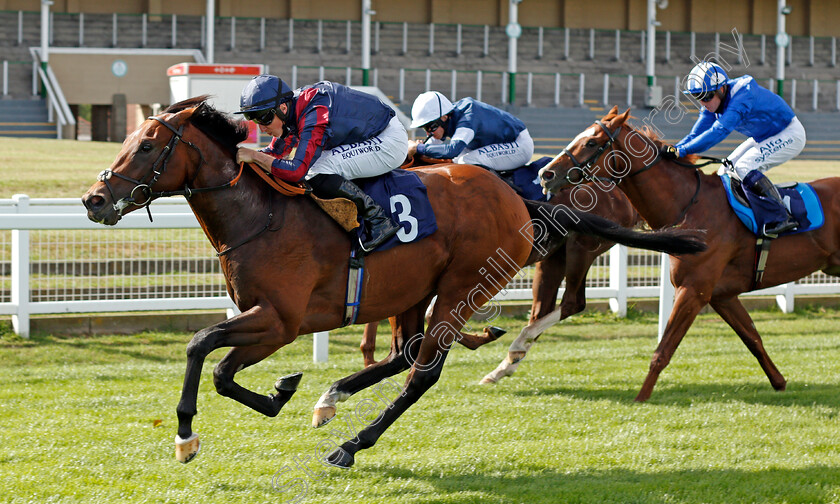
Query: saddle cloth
(755,211)
(404,198)
(527,179)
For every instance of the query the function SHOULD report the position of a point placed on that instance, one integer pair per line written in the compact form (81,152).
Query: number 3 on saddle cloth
(404,199)
(755,211)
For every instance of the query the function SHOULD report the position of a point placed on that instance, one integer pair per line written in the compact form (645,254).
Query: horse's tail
(553,222)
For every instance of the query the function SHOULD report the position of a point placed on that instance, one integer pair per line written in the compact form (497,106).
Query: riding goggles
(262,117)
(432,126)
(704,96)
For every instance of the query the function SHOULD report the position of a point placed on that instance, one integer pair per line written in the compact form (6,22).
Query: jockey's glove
(668,152)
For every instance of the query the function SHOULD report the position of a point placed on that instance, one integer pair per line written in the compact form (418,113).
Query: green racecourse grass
(79,414)
(65,169)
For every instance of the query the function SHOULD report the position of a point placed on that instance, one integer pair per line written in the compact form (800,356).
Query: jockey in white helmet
(479,134)
(774,133)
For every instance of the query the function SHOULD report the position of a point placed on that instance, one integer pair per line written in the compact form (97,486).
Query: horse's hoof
(187,449)
(495,332)
(340,458)
(288,383)
(322,416)
(516,356)
(487,380)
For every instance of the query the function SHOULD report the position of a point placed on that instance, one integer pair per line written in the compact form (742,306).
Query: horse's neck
(661,194)
(231,215)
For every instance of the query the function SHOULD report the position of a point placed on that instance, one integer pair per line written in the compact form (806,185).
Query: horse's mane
(226,131)
(651,135)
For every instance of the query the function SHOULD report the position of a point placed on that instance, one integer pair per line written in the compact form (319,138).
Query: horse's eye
(591,143)
(145,147)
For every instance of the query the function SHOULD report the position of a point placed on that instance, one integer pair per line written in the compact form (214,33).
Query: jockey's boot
(763,187)
(380,226)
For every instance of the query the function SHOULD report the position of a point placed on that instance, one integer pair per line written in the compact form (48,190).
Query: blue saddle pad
(404,198)
(527,179)
(801,198)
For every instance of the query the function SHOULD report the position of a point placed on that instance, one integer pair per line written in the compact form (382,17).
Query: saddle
(755,211)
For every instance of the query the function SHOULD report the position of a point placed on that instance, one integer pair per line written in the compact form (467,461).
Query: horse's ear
(614,110)
(620,119)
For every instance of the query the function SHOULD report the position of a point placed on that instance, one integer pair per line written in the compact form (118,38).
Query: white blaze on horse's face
(583,134)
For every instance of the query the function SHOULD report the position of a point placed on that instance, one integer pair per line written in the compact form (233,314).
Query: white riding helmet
(429,106)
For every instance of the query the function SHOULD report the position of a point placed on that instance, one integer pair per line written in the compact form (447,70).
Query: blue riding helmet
(704,79)
(264,92)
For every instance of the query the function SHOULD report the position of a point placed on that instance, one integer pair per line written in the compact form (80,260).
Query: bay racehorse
(676,193)
(285,262)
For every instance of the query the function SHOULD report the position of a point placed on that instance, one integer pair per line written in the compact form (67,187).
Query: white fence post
(431,39)
(557,89)
(540,42)
(629,90)
(5,78)
(291,34)
(349,36)
(618,279)
(232,32)
(320,43)
(530,95)
(606,97)
(405,39)
(81,29)
(144,30)
(262,34)
(478,87)
(402,85)
(762,59)
(175,31)
(816,95)
(428,79)
(582,81)
(454,86)
(458,40)
(20,272)
(786,300)
(320,346)
(666,294)
(486,49)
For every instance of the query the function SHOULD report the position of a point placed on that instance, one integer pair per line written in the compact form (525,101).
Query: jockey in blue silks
(774,133)
(479,134)
(339,133)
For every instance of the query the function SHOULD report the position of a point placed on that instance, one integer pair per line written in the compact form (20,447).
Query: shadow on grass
(817,484)
(798,394)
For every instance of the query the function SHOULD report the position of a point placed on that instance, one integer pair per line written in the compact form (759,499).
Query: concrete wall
(87,78)
(809,17)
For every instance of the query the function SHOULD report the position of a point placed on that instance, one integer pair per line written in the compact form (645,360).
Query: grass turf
(93,420)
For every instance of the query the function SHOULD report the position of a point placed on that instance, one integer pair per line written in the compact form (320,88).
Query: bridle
(145,184)
(584,168)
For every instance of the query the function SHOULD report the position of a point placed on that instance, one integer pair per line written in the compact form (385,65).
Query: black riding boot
(380,226)
(763,187)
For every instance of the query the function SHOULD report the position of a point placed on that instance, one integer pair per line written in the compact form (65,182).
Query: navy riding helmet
(261,98)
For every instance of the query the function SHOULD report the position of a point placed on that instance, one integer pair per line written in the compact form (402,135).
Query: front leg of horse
(256,326)
(687,304)
(241,357)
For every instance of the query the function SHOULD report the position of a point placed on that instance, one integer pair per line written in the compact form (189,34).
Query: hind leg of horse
(256,326)
(403,327)
(548,276)
(687,304)
(734,313)
(426,366)
(368,344)
(241,357)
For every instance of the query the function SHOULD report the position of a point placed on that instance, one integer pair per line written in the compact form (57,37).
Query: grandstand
(571,67)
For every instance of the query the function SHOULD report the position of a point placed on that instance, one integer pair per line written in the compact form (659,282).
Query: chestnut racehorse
(571,262)
(668,193)
(285,262)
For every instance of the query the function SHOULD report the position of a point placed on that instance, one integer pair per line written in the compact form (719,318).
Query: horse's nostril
(548,175)
(93,203)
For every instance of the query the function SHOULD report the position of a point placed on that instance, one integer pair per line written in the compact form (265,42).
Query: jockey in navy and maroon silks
(340,134)
(774,134)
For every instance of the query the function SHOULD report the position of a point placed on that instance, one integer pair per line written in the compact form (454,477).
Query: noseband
(584,167)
